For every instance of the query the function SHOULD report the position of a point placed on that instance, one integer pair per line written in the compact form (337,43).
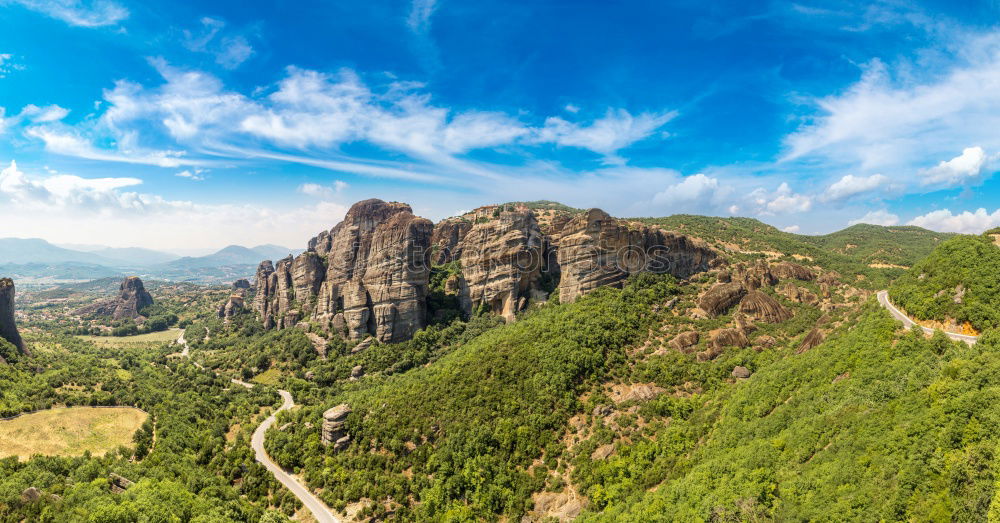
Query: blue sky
(198,124)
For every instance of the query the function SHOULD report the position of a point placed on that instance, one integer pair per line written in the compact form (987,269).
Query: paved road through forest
(883,299)
(319,510)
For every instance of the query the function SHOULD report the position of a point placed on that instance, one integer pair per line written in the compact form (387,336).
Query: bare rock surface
(761,307)
(132,298)
(596,250)
(8,328)
(366,276)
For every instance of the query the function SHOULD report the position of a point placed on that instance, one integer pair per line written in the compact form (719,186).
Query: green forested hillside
(959,281)
(870,426)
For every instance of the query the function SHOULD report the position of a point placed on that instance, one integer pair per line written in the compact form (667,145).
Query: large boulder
(761,307)
(721,297)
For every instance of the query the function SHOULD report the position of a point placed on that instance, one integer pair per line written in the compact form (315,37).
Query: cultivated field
(118,341)
(69,431)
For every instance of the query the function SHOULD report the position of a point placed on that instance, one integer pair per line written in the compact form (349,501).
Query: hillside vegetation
(874,255)
(873,425)
(959,281)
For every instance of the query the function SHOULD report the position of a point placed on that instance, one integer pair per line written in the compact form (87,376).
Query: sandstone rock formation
(241,284)
(8,329)
(685,341)
(814,338)
(740,373)
(369,275)
(446,241)
(231,308)
(789,270)
(797,294)
(762,307)
(132,298)
(595,250)
(502,261)
(366,276)
(721,297)
(333,431)
(752,276)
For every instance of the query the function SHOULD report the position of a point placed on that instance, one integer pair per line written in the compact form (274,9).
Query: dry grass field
(69,431)
(118,341)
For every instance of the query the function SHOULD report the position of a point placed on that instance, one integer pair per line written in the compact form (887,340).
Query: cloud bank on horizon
(265,125)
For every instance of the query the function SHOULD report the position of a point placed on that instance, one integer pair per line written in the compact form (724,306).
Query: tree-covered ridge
(870,253)
(958,281)
(873,425)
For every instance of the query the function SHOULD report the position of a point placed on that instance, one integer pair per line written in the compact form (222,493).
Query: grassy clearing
(268,377)
(69,432)
(119,341)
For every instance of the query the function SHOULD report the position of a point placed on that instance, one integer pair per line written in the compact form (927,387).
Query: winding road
(883,300)
(319,510)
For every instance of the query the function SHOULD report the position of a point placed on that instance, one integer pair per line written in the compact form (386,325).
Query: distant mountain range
(34,258)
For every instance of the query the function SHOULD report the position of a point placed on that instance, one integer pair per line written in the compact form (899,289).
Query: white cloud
(323,191)
(192,174)
(230,50)
(902,117)
(963,168)
(62,191)
(964,222)
(794,229)
(781,201)
(72,145)
(879,217)
(6,65)
(420,15)
(694,189)
(83,13)
(615,131)
(73,209)
(311,110)
(49,113)
(851,185)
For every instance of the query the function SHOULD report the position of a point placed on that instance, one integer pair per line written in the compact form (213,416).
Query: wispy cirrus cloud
(82,13)
(230,49)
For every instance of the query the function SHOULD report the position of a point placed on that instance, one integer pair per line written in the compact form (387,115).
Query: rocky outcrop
(721,297)
(752,276)
(684,341)
(797,294)
(723,338)
(446,241)
(366,276)
(596,250)
(334,432)
(762,307)
(132,298)
(241,285)
(231,308)
(740,373)
(8,329)
(118,483)
(792,271)
(502,261)
(814,338)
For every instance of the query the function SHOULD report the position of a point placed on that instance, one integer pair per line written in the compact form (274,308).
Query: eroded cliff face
(8,329)
(595,250)
(366,276)
(502,260)
(369,275)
